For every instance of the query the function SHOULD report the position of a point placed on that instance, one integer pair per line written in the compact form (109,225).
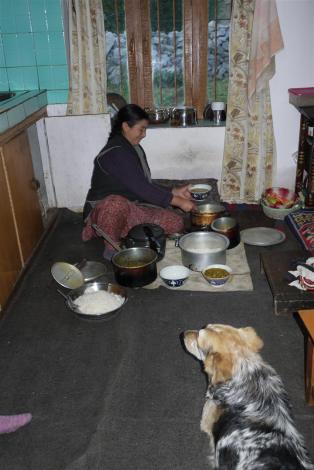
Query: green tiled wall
(32,49)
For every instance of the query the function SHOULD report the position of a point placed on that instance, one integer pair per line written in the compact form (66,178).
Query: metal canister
(183,116)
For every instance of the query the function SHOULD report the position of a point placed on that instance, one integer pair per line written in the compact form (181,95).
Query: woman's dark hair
(131,114)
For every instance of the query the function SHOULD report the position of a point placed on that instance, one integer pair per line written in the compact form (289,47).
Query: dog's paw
(211,413)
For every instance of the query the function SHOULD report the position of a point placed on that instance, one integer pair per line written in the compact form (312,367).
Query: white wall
(69,144)
(184,153)
(294,68)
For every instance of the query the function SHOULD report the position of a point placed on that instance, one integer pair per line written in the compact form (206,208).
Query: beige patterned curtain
(249,152)
(88,84)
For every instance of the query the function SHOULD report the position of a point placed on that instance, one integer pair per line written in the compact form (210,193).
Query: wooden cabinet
(23,189)
(10,259)
(304,181)
(21,220)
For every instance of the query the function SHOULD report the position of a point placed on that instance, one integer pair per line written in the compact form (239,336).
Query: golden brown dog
(247,413)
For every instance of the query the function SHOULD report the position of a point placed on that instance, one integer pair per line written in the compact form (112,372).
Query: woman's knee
(116,200)
(171,222)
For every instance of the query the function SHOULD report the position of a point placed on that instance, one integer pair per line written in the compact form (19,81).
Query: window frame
(195,52)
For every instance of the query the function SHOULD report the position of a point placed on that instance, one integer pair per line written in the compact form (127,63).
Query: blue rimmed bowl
(200,192)
(217,274)
(174,276)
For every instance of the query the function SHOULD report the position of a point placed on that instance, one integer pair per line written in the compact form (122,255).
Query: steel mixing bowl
(94,287)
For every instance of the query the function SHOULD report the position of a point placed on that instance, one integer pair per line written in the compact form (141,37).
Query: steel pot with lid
(149,236)
(183,116)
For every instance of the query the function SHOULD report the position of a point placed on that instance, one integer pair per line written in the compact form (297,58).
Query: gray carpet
(123,394)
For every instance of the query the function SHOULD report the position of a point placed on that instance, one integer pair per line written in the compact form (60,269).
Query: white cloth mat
(236,259)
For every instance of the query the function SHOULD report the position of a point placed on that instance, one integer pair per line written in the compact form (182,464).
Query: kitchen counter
(22,105)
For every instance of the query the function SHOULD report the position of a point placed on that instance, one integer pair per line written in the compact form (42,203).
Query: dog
(247,414)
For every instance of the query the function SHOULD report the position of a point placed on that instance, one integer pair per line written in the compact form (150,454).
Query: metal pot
(135,267)
(204,214)
(200,249)
(157,115)
(149,236)
(183,116)
(229,227)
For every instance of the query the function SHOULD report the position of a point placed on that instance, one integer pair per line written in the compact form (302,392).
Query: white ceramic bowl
(278,213)
(174,276)
(199,192)
(217,281)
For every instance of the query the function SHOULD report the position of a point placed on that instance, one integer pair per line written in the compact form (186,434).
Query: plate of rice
(97,300)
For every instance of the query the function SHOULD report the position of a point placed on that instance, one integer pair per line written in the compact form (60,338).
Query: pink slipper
(13,422)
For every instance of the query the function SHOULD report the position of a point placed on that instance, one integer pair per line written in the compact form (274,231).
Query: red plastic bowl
(279,197)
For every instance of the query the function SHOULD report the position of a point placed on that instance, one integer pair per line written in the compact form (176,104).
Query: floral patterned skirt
(116,215)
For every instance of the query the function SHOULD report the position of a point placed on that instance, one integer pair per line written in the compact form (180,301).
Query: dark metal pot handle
(153,243)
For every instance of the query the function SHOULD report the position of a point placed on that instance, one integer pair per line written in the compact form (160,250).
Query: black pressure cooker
(149,236)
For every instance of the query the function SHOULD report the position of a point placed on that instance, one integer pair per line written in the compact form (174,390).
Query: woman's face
(135,133)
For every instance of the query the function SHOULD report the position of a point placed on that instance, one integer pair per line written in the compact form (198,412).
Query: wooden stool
(307,317)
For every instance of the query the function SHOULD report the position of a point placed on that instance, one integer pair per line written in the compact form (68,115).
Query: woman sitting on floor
(122,193)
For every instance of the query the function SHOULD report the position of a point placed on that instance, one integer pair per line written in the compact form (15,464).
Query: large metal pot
(204,214)
(147,235)
(183,116)
(135,267)
(200,249)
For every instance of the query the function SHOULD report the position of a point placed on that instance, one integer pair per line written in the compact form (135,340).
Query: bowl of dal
(217,274)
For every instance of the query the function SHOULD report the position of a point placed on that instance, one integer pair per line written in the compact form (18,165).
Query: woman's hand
(182,191)
(187,205)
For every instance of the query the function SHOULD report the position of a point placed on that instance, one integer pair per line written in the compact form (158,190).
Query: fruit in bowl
(282,198)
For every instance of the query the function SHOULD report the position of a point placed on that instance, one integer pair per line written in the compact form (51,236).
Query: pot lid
(92,270)
(141,232)
(74,275)
(67,275)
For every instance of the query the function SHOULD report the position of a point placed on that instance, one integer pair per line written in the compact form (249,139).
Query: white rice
(204,250)
(96,303)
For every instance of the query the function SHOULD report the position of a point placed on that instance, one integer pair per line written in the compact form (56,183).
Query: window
(116,49)
(168,52)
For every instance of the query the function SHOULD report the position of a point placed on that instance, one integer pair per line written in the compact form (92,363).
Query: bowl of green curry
(217,274)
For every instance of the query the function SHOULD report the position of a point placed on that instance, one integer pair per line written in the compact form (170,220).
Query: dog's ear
(252,340)
(218,367)
(218,363)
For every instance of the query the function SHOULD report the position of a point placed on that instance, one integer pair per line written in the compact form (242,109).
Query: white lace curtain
(87,57)
(249,152)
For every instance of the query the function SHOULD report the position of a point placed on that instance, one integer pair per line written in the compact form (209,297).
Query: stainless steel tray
(262,236)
